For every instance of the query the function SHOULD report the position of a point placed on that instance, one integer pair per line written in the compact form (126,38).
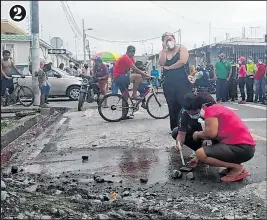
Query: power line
(73,19)
(129,41)
(68,18)
(183,17)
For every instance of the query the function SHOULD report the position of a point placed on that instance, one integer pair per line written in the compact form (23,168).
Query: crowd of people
(248,74)
(231,145)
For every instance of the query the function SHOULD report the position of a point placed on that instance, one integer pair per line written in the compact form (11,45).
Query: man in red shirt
(260,81)
(232,140)
(121,74)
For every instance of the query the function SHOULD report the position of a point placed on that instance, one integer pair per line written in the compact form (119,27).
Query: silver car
(62,84)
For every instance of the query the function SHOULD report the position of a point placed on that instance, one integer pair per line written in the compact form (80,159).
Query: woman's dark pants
(249,87)
(242,84)
(175,100)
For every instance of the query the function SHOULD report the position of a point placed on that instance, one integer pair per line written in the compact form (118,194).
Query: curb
(11,109)
(26,123)
(13,133)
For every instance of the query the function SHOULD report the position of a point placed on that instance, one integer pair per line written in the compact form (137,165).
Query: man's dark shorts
(228,153)
(6,84)
(123,81)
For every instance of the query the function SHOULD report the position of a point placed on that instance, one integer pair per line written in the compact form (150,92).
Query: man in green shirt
(222,74)
(232,82)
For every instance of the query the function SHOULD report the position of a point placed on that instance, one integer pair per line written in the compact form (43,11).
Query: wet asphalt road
(141,148)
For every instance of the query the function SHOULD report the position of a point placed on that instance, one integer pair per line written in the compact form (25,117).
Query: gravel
(3,195)
(3,185)
(168,200)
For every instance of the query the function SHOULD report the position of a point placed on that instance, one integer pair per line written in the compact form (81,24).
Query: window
(50,73)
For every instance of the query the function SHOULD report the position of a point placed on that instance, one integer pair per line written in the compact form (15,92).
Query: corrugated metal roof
(237,42)
(244,41)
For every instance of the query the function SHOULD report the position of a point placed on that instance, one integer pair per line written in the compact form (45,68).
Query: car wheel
(73,92)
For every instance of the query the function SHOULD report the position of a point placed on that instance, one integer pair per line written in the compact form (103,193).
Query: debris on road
(143,180)
(3,185)
(186,169)
(14,169)
(84,158)
(190,176)
(96,201)
(176,174)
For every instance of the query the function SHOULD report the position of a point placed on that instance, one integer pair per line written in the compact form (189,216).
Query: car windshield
(60,71)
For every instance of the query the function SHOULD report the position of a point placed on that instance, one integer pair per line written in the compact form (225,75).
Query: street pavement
(126,151)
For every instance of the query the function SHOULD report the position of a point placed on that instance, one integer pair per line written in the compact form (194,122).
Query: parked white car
(62,84)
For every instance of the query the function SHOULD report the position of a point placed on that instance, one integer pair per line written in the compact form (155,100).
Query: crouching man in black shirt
(187,125)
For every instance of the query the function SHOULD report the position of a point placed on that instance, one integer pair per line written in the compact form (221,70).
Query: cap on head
(98,59)
(130,48)
(221,55)
(242,59)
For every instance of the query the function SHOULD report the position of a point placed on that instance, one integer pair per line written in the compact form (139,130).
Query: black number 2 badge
(17,13)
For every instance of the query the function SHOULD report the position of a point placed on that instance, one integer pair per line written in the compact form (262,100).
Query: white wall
(21,51)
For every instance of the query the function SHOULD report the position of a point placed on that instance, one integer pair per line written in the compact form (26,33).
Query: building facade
(233,48)
(19,44)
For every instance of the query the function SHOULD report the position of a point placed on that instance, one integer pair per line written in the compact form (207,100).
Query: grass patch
(5,124)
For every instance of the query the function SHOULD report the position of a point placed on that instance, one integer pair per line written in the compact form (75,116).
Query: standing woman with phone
(174,60)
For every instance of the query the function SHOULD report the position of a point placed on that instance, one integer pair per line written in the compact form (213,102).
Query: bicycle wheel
(25,96)
(82,97)
(157,101)
(113,107)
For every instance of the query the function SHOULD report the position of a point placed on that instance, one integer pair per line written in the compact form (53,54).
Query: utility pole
(89,53)
(253,28)
(75,41)
(84,36)
(152,48)
(209,32)
(244,32)
(34,5)
(180,36)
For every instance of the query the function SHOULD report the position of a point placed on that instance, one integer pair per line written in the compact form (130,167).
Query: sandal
(230,177)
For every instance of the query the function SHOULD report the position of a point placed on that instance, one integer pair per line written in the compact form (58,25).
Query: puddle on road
(128,164)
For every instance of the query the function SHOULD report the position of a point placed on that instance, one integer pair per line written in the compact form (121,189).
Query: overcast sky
(126,21)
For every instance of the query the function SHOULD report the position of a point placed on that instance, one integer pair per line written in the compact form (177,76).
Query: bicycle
(134,104)
(89,92)
(22,94)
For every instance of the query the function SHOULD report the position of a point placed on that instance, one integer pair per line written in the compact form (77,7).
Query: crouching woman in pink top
(232,141)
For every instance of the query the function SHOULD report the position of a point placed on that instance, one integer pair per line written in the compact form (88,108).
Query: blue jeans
(260,89)
(222,90)
(114,87)
(45,89)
